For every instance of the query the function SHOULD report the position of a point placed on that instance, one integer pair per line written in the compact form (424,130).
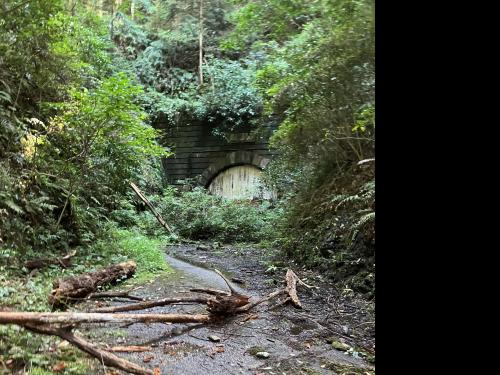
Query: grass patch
(145,251)
(18,291)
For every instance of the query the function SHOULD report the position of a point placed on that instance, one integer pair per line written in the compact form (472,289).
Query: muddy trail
(334,333)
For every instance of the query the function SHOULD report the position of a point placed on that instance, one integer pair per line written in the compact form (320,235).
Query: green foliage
(80,162)
(72,131)
(333,228)
(232,101)
(198,215)
(163,51)
(265,20)
(22,293)
(316,66)
(317,77)
(146,252)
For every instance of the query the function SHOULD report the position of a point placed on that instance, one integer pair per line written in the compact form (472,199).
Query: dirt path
(297,341)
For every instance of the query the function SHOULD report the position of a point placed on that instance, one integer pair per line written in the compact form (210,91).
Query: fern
(13,206)
(365,219)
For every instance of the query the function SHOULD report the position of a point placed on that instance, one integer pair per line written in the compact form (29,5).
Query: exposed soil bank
(297,341)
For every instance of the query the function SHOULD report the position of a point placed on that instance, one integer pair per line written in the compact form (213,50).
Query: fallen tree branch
(151,208)
(23,318)
(129,349)
(213,292)
(233,291)
(290,290)
(150,304)
(105,357)
(77,287)
(38,263)
(291,287)
(114,294)
(61,323)
(251,305)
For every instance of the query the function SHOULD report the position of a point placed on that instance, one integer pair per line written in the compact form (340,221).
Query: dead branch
(222,304)
(129,349)
(23,318)
(233,291)
(38,263)
(226,305)
(75,287)
(105,357)
(114,294)
(213,292)
(290,290)
(291,287)
(151,208)
(251,305)
(150,304)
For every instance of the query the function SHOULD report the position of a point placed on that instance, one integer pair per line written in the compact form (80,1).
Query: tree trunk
(200,63)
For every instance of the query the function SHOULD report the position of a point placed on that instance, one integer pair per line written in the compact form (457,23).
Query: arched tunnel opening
(240,182)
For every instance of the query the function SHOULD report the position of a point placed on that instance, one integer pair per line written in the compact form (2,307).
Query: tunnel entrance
(240,182)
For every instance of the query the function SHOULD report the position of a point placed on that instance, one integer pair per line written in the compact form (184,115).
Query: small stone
(176,331)
(262,355)
(63,345)
(340,346)
(214,338)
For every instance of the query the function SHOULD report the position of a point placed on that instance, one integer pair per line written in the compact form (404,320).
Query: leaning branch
(150,206)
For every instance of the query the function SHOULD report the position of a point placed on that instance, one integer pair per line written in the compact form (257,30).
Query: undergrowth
(197,215)
(331,227)
(20,349)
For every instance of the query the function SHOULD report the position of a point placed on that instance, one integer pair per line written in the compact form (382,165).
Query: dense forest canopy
(84,85)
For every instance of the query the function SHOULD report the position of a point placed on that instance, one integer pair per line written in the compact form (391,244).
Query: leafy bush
(232,101)
(198,215)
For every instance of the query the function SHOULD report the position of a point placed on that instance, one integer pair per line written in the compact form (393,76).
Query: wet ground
(297,341)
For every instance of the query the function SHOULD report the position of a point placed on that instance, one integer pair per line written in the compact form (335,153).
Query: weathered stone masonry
(202,156)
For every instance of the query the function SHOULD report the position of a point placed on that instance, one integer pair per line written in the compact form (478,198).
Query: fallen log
(76,287)
(38,263)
